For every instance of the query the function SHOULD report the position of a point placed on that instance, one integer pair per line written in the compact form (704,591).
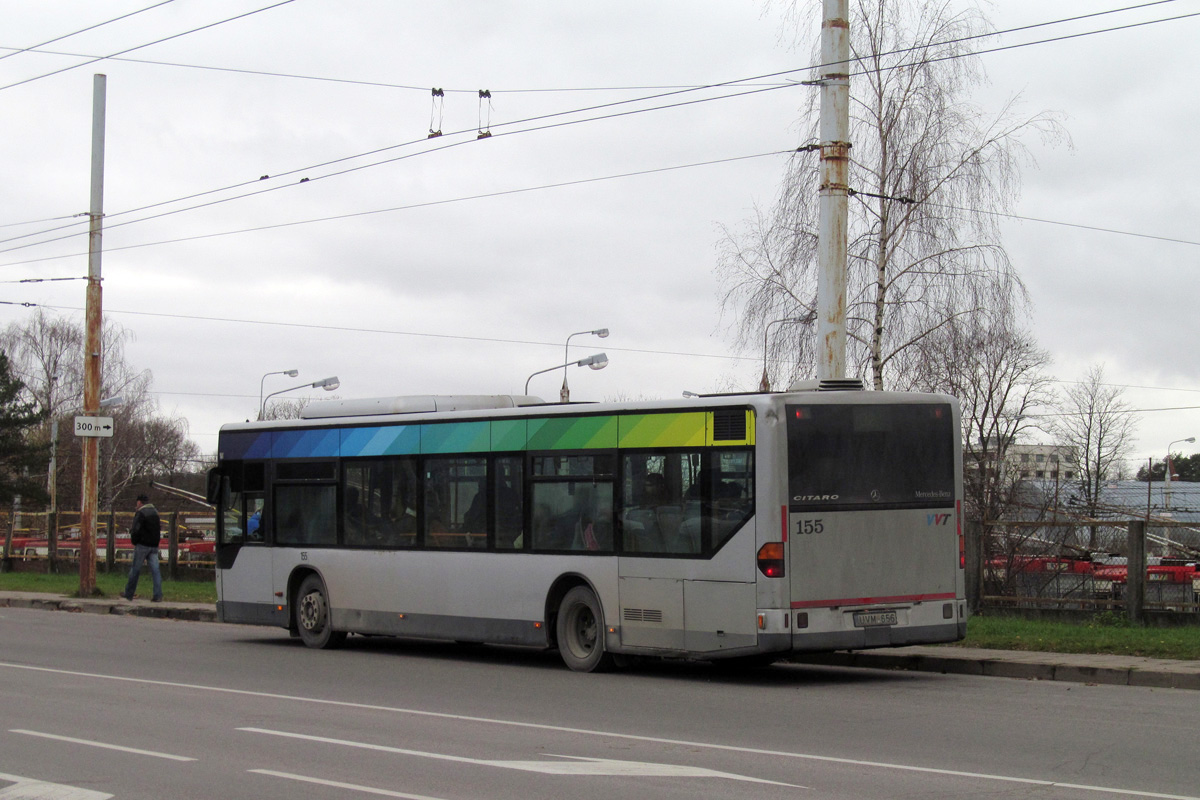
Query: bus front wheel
(312,615)
(580,632)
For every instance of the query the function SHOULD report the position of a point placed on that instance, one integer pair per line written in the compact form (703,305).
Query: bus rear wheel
(580,632)
(312,616)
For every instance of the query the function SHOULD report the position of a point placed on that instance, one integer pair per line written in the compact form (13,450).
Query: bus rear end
(875,548)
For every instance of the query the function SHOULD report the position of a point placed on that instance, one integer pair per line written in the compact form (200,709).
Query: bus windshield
(875,456)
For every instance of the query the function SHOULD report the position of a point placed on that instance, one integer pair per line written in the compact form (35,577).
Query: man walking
(144,534)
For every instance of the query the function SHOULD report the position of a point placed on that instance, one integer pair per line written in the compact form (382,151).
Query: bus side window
(456,502)
(510,513)
(659,508)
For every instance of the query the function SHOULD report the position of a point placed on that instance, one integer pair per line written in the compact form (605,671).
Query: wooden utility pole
(833,197)
(1135,572)
(93,317)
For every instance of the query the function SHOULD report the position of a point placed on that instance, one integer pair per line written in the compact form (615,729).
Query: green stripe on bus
(456,437)
(662,430)
(509,434)
(566,433)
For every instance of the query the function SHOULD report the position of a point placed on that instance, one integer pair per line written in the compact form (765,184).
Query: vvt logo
(937,519)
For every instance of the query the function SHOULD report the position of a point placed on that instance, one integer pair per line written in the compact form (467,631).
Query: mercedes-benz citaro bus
(742,526)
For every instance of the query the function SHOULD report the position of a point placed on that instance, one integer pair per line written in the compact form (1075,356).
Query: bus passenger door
(651,613)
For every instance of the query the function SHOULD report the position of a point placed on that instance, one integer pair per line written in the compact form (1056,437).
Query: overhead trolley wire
(498,340)
(528,90)
(425,204)
(736,82)
(33,48)
(147,44)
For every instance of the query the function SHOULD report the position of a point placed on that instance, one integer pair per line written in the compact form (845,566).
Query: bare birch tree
(928,169)
(998,375)
(1096,423)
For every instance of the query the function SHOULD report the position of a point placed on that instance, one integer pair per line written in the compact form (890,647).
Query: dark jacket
(146,529)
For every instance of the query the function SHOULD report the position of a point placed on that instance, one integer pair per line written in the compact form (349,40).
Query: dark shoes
(155,599)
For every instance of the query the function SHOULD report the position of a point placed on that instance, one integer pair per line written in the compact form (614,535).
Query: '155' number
(809,526)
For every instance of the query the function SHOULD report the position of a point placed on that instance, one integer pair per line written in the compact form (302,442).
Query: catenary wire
(34,48)
(497,340)
(743,81)
(147,44)
(424,89)
(426,204)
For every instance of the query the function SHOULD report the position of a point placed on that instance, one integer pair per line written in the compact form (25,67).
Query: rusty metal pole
(834,80)
(93,317)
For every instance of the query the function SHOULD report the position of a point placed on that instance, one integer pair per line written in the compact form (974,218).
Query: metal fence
(1117,566)
(49,541)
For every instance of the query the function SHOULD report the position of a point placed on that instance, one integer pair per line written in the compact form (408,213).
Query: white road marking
(574,766)
(31,789)
(103,745)
(728,748)
(339,785)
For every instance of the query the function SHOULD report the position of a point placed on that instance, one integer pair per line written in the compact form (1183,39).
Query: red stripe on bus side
(870,601)
(784,514)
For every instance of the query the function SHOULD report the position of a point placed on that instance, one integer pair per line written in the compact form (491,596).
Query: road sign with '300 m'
(94,426)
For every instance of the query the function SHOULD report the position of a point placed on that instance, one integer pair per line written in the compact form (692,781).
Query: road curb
(1021,666)
(188,613)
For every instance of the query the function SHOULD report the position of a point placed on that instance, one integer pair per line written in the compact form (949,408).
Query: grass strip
(1106,633)
(109,585)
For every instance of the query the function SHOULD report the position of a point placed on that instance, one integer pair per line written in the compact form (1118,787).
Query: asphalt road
(93,706)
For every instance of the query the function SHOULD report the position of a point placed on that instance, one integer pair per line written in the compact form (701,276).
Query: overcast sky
(418,285)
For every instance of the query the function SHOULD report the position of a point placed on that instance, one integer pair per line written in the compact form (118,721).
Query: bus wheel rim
(312,611)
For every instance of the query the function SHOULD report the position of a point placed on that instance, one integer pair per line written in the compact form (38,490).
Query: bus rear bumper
(880,636)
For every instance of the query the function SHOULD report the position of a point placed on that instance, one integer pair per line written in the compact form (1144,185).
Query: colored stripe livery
(689,429)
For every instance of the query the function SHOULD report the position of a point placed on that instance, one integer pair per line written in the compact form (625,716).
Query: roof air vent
(828,385)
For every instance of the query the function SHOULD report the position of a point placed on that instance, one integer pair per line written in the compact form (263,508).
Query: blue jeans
(142,553)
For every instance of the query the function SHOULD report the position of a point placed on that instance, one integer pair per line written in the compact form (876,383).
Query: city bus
(740,526)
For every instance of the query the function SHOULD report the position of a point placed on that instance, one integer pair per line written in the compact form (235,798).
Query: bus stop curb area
(1088,669)
(1027,665)
(192,612)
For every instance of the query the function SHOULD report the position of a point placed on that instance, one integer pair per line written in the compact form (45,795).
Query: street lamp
(291,373)
(765,384)
(1167,471)
(598,361)
(328,384)
(564,394)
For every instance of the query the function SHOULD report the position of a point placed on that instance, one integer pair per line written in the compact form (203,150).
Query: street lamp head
(598,361)
(602,333)
(328,384)
(291,373)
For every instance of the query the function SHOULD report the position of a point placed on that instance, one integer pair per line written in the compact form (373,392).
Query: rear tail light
(962,543)
(770,559)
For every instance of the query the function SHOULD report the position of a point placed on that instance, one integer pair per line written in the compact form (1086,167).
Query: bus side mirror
(217,491)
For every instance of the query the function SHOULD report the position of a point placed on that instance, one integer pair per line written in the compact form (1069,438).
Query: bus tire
(312,615)
(580,632)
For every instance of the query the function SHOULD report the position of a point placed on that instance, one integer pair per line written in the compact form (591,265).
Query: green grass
(109,585)
(1106,633)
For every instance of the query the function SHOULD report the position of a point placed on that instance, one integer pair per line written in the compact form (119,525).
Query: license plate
(867,619)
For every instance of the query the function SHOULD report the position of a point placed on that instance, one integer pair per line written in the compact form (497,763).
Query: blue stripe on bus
(393,440)
(306,444)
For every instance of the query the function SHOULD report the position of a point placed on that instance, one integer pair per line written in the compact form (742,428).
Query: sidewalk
(1157,673)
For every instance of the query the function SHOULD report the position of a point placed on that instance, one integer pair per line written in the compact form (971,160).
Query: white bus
(729,526)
